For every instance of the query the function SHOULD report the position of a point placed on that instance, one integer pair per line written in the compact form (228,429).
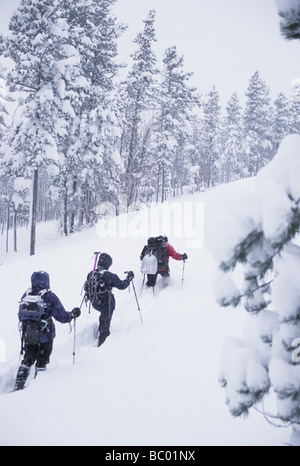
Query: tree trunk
(65,214)
(33,212)
(157,187)
(7,228)
(163,186)
(15,231)
(73,213)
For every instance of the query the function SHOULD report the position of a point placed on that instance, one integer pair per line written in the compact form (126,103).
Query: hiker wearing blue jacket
(98,290)
(38,306)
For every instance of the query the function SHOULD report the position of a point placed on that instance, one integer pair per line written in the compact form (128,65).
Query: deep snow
(154,383)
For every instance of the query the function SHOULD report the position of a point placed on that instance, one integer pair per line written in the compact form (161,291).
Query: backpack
(155,255)
(95,288)
(32,315)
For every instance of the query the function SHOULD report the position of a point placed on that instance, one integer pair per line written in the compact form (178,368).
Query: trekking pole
(82,301)
(143,283)
(137,301)
(183,269)
(74,341)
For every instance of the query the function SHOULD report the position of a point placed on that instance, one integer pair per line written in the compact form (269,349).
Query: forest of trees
(75,134)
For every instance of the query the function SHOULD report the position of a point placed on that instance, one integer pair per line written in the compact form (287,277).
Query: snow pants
(39,354)
(104,326)
(151,279)
(106,310)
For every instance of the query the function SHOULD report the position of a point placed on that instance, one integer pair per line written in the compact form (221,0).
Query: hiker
(155,259)
(37,308)
(98,290)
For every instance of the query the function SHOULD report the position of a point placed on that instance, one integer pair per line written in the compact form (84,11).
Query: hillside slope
(154,383)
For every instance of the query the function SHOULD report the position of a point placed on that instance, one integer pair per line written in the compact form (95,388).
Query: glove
(76,312)
(184,257)
(130,276)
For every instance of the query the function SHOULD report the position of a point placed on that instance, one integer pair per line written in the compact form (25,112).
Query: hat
(105,261)
(40,281)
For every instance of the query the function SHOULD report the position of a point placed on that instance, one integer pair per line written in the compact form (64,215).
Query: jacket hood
(105,261)
(40,281)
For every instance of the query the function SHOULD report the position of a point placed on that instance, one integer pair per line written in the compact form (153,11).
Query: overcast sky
(224,42)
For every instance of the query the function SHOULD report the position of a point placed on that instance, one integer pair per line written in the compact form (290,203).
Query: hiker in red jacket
(160,249)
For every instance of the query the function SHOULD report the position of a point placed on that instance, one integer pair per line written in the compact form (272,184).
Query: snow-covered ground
(154,383)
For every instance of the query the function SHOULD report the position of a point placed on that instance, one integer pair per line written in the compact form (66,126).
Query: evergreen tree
(35,47)
(172,124)
(211,137)
(93,164)
(267,252)
(139,95)
(63,54)
(232,154)
(294,123)
(257,125)
(282,118)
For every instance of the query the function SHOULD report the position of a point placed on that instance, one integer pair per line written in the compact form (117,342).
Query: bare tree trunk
(7,228)
(15,230)
(157,187)
(65,215)
(163,186)
(34,211)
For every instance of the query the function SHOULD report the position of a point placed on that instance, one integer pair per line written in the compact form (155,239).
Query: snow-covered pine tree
(282,118)
(211,137)
(289,12)
(172,123)
(3,130)
(35,45)
(257,124)
(90,150)
(140,97)
(63,55)
(232,159)
(294,126)
(266,248)
(196,171)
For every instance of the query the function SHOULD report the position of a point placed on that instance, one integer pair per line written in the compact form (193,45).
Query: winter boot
(22,376)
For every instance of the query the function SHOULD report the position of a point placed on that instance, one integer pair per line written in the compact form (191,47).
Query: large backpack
(32,315)
(95,288)
(155,255)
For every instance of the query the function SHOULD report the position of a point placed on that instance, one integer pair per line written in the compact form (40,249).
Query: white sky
(224,42)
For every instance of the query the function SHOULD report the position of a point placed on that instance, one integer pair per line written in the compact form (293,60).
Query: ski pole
(74,341)
(137,301)
(183,269)
(82,301)
(143,283)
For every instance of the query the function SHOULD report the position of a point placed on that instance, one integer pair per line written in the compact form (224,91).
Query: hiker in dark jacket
(105,302)
(38,347)
(163,261)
